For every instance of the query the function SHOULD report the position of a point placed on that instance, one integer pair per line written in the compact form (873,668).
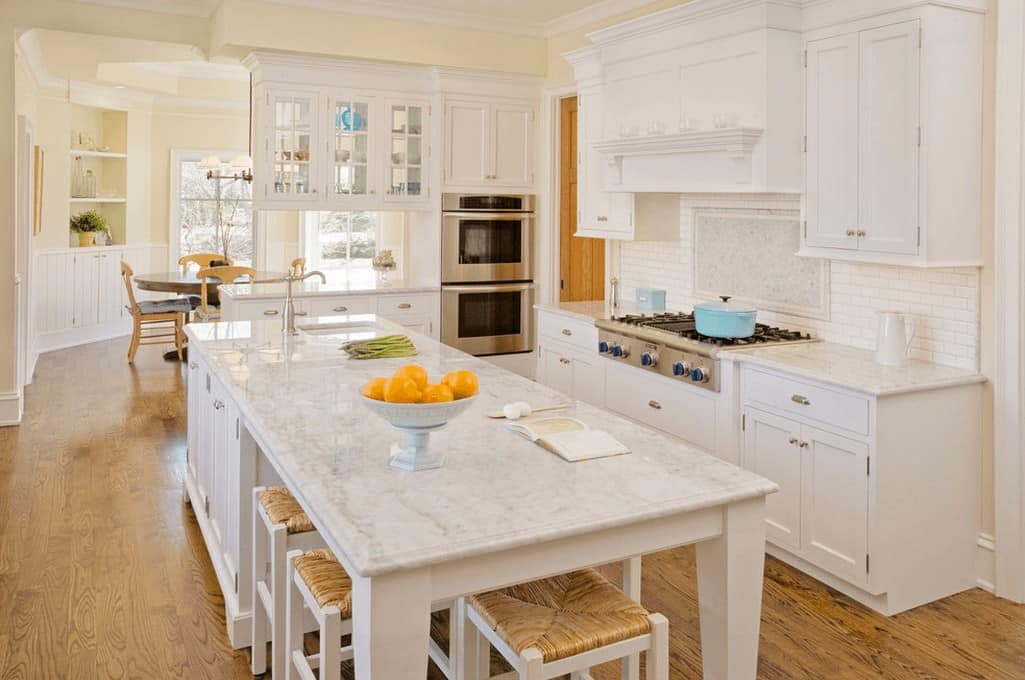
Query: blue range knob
(679,368)
(697,375)
(649,359)
(603,347)
(617,351)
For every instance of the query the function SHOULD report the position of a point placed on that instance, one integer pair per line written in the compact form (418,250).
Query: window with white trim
(209,215)
(349,240)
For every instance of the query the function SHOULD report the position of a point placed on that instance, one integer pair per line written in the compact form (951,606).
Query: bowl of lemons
(410,403)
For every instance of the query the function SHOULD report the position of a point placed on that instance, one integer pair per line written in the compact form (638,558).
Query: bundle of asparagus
(384,347)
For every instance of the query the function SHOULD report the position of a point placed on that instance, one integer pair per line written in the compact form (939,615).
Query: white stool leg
(656,659)
(258,651)
(279,588)
(533,662)
(294,624)
(482,657)
(330,654)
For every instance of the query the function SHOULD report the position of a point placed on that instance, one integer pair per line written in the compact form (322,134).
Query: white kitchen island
(500,511)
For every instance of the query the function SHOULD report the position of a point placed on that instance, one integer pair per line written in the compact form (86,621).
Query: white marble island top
(495,491)
(854,368)
(338,283)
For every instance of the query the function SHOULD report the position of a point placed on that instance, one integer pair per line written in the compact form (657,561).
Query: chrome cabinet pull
(798,399)
(803,445)
(602,218)
(564,360)
(343,308)
(851,232)
(861,233)
(193,365)
(655,405)
(566,331)
(301,313)
(405,305)
(270,312)
(793,440)
(218,404)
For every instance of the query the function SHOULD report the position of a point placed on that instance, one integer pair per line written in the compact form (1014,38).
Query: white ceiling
(527,17)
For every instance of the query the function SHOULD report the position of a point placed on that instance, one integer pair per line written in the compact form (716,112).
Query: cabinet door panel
(601,214)
(406,156)
(352,155)
(111,287)
(588,379)
(291,153)
(831,207)
(834,503)
(889,120)
(771,449)
(86,293)
(466,142)
(556,370)
(195,408)
(511,150)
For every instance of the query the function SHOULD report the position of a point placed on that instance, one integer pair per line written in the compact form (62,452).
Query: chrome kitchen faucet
(288,323)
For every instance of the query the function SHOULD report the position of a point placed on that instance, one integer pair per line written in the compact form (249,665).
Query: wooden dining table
(187,283)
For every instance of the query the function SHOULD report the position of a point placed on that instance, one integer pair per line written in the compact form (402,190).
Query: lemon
(401,391)
(374,389)
(462,383)
(415,373)
(437,392)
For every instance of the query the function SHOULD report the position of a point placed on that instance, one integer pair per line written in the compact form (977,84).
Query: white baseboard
(72,337)
(985,562)
(11,408)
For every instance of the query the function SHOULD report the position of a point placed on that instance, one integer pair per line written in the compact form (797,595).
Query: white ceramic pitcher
(894,340)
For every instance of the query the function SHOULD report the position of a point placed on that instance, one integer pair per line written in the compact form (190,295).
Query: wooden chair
(298,266)
(201,260)
(161,319)
(318,582)
(224,275)
(279,526)
(564,625)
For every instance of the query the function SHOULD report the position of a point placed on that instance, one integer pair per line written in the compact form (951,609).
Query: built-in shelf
(97,200)
(736,142)
(97,154)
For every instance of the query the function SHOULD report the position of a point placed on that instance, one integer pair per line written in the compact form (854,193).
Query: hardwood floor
(103,572)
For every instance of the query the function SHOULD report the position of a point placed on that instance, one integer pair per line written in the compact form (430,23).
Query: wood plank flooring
(103,573)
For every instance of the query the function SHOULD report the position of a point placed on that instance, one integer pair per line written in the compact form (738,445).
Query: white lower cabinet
(568,360)
(821,510)
(878,495)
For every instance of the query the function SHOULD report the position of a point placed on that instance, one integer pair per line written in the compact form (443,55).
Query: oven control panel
(686,367)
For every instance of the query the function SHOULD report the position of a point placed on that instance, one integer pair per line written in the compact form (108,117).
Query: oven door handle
(485,215)
(487,288)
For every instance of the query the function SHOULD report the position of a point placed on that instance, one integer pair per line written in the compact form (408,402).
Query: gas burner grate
(763,334)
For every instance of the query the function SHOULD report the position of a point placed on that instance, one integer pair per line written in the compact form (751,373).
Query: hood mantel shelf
(734,142)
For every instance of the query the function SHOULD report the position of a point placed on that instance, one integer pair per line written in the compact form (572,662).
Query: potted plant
(86,225)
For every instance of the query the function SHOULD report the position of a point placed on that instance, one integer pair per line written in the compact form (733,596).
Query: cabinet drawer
(347,305)
(661,403)
(830,407)
(399,306)
(576,332)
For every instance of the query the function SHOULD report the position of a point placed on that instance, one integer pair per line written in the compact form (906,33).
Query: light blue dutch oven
(725,319)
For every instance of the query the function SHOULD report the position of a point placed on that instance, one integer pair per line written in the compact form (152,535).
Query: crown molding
(592,14)
(191,8)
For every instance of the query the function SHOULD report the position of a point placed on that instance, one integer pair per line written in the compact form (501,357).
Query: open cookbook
(570,438)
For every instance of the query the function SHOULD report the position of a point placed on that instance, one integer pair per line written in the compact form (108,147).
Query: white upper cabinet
(407,171)
(831,205)
(351,148)
(489,143)
(894,126)
(286,166)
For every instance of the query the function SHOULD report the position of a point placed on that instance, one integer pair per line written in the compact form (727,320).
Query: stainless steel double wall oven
(487,273)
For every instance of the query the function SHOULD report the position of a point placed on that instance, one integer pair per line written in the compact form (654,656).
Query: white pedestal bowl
(417,421)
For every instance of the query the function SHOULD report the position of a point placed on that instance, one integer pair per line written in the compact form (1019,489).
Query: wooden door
(466,142)
(581,260)
(889,131)
(772,449)
(831,202)
(512,163)
(834,503)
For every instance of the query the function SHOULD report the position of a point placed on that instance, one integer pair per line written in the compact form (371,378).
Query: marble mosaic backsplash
(943,302)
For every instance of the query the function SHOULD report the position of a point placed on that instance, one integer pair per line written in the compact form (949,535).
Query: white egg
(525,409)
(512,411)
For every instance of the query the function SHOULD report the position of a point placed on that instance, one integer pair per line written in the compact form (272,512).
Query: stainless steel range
(669,344)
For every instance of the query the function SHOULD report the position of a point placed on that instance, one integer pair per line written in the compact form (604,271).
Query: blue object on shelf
(650,300)
(350,120)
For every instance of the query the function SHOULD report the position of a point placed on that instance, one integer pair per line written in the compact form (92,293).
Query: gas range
(669,344)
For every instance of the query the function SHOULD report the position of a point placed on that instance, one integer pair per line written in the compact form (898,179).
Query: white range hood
(715,84)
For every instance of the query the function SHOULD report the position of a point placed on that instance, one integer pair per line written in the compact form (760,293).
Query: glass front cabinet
(340,150)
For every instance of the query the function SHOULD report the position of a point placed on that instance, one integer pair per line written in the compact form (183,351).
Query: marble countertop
(586,311)
(853,368)
(338,283)
(299,399)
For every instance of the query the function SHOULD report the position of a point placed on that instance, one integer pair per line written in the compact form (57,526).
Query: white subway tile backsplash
(943,302)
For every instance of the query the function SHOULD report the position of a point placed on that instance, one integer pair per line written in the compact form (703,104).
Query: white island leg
(391,625)
(632,588)
(730,571)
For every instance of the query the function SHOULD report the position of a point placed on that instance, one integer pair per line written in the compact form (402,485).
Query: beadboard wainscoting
(943,302)
(79,295)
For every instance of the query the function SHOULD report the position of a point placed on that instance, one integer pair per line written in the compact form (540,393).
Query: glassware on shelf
(89,188)
(77,178)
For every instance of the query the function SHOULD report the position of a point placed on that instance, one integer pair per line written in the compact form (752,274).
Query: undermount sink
(339,328)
